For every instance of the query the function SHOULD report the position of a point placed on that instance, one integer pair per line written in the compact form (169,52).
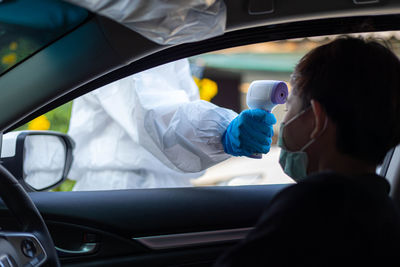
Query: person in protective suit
(152,130)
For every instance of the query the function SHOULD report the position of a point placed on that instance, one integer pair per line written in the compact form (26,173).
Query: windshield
(26,26)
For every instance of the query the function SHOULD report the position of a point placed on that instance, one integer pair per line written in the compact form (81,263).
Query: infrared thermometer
(266,94)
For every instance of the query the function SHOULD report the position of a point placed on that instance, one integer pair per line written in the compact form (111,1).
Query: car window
(28,26)
(109,122)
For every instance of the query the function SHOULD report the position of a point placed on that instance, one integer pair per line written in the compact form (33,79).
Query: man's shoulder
(330,187)
(331,180)
(315,184)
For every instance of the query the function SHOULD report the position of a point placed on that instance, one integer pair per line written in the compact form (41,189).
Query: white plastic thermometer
(266,94)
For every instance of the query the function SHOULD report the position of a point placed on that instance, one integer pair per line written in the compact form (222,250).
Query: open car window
(113,151)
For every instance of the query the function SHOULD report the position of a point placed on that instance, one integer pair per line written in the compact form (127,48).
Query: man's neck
(345,164)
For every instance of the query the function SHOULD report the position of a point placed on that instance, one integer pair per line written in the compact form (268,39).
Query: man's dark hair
(358,84)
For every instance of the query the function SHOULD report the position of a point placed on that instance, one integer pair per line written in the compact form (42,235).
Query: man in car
(343,117)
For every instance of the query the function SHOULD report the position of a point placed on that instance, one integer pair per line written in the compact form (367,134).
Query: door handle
(85,249)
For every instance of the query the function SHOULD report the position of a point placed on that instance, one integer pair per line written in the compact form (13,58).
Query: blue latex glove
(249,133)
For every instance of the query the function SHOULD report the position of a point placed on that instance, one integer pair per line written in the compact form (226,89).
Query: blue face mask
(294,163)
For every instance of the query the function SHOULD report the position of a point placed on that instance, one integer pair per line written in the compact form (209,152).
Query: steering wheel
(32,246)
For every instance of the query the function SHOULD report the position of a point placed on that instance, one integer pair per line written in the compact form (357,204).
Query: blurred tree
(58,120)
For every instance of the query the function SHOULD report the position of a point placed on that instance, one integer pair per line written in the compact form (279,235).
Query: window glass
(109,122)
(27,26)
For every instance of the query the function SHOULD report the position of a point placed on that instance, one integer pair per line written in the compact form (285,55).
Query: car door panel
(148,227)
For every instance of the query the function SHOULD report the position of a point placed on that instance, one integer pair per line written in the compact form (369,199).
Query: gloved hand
(249,133)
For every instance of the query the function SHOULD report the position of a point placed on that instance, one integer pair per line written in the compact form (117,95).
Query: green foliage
(59,119)
(22,128)
(67,185)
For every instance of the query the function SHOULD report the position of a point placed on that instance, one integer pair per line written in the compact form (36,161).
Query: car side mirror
(40,160)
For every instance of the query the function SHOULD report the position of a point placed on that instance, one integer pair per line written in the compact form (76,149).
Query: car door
(153,227)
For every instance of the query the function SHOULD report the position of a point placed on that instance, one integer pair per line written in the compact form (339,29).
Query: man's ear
(319,118)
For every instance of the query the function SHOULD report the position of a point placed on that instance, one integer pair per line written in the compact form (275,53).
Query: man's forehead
(294,100)
(293,97)
(289,99)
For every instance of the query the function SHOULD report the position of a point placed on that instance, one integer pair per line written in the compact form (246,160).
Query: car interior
(149,227)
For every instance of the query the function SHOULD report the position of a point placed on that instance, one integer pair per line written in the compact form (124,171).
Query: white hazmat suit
(146,130)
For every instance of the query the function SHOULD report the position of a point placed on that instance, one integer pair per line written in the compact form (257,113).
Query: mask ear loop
(297,115)
(315,138)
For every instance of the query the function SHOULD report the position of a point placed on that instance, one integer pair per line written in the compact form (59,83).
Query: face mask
(294,163)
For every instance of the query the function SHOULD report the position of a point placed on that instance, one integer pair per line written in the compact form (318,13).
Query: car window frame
(292,30)
(383,168)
